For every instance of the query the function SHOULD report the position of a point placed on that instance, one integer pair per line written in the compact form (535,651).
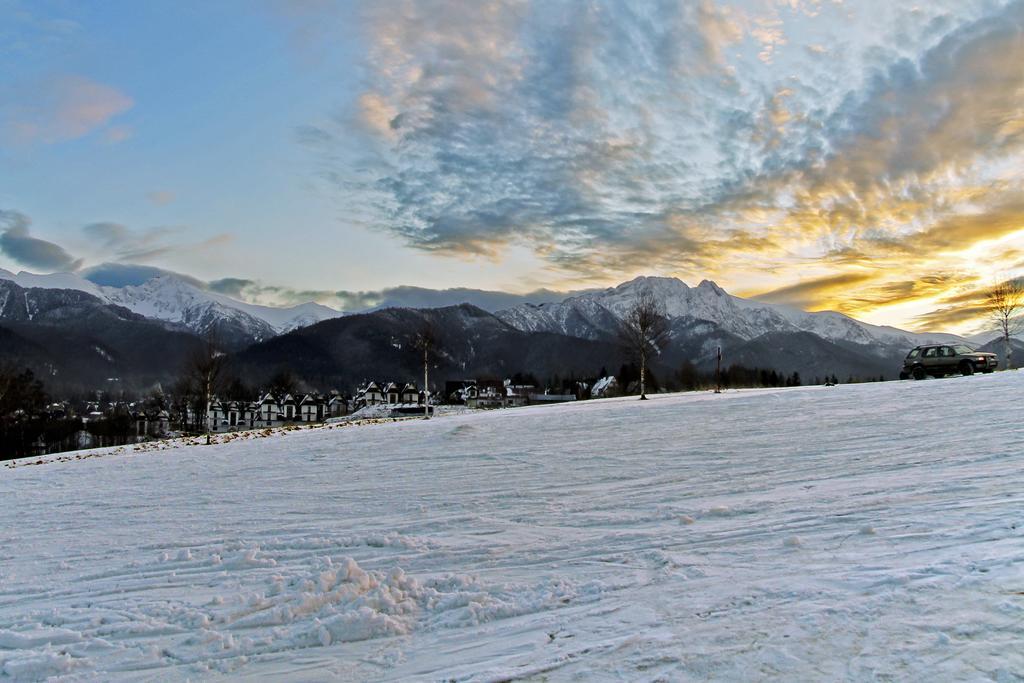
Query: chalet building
(269,411)
(518,395)
(289,408)
(397,393)
(240,414)
(369,395)
(337,407)
(153,423)
(486,394)
(392,394)
(311,409)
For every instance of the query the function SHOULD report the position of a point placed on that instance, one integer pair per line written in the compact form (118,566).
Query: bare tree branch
(203,375)
(426,342)
(1004,303)
(644,330)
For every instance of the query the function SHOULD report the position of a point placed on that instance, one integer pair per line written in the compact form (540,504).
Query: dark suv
(945,359)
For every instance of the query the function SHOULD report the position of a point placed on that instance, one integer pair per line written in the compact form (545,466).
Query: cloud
(951,318)
(130,274)
(116,134)
(965,308)
(614,139)
(232,286)
(17,244)
(110,234)
(400,297)
(161,197)
(63,108)
(314,27)
(547,124)
(125,244)
(768,32)
(809,293)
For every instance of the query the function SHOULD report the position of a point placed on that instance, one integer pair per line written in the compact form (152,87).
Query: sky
(855,155)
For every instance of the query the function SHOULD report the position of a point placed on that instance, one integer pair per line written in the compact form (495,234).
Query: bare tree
(203,374)
(1004,303)
(426,343)
(644,329)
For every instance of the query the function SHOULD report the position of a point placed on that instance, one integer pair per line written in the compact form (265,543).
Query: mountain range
(48,319)
(175,299)
(74,340)
(596,315)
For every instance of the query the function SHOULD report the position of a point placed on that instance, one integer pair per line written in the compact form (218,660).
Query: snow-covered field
(850,533)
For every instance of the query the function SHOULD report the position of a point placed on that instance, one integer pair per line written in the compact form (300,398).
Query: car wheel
(966,368)
(919,373)
(989,371)
(904,375)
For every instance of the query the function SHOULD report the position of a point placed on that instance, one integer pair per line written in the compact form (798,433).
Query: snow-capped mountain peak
(596,314)
(175,299)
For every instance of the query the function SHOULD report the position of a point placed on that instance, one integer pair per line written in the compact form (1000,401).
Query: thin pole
(426,390)
(718,372)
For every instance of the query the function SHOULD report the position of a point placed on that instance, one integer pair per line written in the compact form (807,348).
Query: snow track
(850,533)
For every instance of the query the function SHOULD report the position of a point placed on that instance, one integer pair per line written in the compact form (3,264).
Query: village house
(486,394)
(393,394)
(337,406)
(152,423)
(489,394)
(396,393)
(269,411)
(311,409)
(518,395)
(369,395)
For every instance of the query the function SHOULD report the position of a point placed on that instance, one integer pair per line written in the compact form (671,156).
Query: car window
(930,353)
(946,352)
(962,348)
(914,354)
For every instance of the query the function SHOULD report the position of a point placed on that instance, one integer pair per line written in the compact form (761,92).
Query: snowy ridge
(595,314)
(52,281)
(173,299)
